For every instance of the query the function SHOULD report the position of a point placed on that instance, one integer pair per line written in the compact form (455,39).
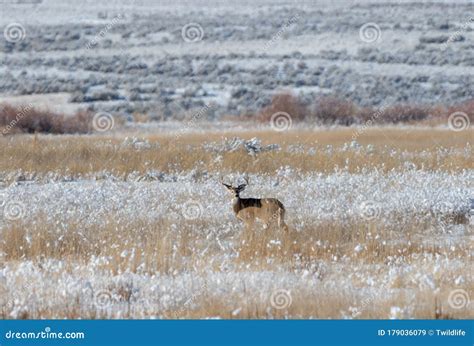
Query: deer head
(236,190)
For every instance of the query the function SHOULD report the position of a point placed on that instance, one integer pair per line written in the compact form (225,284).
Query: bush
(404,114)
(466,107)
(27,119)
(284,103)
(333,110)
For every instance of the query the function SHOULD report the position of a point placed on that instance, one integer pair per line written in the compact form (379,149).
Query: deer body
(265,210)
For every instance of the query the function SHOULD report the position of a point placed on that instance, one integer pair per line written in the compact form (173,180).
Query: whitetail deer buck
(249,210)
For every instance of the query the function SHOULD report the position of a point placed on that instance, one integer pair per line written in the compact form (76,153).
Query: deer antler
(221,179)
(246,182)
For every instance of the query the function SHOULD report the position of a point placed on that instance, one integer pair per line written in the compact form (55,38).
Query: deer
(249,210)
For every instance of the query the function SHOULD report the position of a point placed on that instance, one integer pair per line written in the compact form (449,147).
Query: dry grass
(77,155)
(323,305)
(168,250)
(160,248)
(333,278)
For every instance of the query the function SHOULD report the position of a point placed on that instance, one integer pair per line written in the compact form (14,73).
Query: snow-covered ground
(394,290)
(342,197)
(401,286)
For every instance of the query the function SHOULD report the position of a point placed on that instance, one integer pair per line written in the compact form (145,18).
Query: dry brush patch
(336,264)
(307,151)
(27,119)
(333,109)
(125,249)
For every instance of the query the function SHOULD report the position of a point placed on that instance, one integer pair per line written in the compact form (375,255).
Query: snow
(341,196)
(397,200)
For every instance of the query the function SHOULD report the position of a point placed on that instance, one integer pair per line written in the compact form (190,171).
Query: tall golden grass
(392,148)
(162,248)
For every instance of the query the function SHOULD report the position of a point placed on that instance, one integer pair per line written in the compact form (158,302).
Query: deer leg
(281,221)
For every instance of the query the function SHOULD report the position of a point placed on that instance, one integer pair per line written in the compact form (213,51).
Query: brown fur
(269,211)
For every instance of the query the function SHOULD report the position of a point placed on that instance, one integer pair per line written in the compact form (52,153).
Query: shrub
(27,119)
(466,107)
(287,103)
(333,110)
(404,114)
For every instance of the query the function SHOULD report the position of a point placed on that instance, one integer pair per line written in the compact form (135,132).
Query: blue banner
(236,332)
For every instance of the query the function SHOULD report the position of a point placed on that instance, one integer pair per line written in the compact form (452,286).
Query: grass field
(305,151)
(120,225)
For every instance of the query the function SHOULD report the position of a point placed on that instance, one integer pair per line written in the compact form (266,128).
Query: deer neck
(237,203)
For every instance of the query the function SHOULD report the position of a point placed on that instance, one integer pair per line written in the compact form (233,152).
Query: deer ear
(241,187)
(228,186)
